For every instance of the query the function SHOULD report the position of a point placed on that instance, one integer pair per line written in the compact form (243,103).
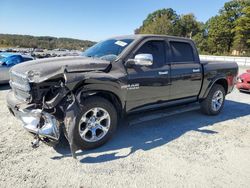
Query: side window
(157,49)
(182,52)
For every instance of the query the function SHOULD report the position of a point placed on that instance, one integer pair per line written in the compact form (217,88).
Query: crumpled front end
(46,108)
(36,120)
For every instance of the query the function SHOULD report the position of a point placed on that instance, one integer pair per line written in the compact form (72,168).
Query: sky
(91,19)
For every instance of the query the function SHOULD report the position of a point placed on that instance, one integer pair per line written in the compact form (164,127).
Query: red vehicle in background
(243,83)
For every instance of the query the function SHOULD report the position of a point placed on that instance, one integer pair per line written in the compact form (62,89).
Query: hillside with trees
(27,41)
(224,34)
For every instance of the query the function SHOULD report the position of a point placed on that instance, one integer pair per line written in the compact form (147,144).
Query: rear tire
(96,123)
(214,102)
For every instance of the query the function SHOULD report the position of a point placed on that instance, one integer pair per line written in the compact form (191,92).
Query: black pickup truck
(85,97)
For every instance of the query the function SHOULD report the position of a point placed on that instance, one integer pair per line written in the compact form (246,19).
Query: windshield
(108,49)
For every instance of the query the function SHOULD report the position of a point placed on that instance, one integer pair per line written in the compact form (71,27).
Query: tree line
(27,41)
(224,34)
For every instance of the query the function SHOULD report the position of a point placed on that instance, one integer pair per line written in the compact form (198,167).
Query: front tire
(214,102)
(96,123)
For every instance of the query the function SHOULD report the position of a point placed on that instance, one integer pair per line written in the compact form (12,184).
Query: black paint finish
(138,87)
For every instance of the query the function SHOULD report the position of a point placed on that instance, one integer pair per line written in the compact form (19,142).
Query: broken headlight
(33,76)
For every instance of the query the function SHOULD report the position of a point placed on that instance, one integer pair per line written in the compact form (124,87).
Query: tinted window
(182,52)
(157,49)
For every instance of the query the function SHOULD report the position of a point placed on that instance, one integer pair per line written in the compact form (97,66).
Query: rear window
(182,52)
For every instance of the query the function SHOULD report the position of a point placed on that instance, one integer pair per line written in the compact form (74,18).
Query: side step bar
(158,114)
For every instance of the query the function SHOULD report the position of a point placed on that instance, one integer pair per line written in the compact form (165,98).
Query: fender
(92,89)
(72,109)
(204,94)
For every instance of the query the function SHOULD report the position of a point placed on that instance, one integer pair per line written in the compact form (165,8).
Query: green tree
(162,21)
(221,31)
(27,41)
(188,26)
(167,22)
(242,32)
(219,35)
(201,39)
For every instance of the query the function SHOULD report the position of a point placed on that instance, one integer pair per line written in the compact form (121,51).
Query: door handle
(163,73)
(196,70)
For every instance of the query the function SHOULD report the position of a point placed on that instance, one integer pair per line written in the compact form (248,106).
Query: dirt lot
(186,150)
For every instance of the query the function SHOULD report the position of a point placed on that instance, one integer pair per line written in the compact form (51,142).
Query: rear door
(148,85)
(186,70)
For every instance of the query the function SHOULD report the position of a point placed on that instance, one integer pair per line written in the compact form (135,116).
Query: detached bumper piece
(43,125)
(40,123)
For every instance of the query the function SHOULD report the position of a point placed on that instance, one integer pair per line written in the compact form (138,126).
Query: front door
(148,85)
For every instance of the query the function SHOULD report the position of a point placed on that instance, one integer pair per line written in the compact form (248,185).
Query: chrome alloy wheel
(94,124)
(217,100)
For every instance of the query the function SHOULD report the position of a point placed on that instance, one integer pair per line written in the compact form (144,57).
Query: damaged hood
(43,69)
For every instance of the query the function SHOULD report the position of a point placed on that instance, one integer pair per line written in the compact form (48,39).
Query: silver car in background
(8,60)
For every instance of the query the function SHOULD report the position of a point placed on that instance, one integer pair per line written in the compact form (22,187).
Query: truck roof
(140,36)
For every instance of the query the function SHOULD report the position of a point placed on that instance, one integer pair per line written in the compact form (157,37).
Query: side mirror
(141,60)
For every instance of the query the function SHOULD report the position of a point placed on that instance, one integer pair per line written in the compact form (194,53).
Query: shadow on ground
(4,87)
(153,134)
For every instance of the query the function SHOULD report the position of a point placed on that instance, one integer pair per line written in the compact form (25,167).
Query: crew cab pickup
(85,97)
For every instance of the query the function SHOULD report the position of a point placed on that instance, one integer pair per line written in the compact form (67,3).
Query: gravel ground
(185,150)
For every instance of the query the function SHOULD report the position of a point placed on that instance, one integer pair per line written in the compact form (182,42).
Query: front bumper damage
(36,121)
(46,126)
(40,123)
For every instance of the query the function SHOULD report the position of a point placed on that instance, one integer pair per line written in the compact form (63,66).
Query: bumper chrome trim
(41,123)
(34,120)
